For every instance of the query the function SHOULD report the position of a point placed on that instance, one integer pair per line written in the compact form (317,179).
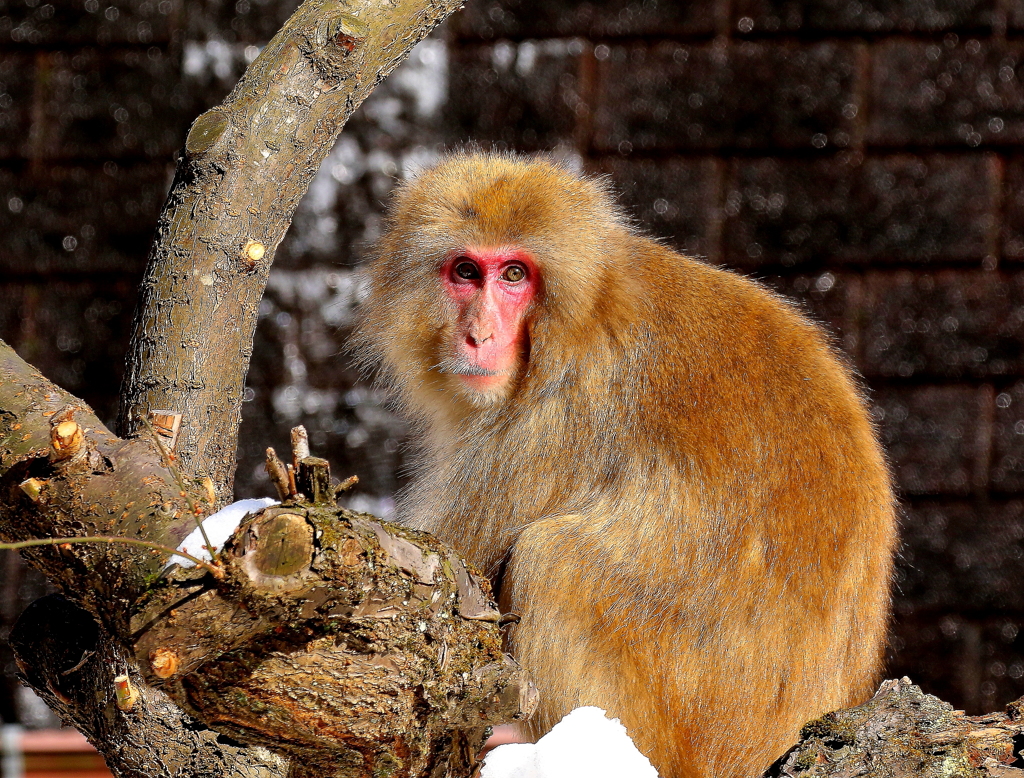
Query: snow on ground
(585,744)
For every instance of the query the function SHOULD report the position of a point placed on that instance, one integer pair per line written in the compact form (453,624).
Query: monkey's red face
(491,291)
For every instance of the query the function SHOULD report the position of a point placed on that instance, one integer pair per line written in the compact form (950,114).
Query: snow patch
(584,744)
(219,527)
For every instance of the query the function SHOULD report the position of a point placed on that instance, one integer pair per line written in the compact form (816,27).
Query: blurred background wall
(864,157)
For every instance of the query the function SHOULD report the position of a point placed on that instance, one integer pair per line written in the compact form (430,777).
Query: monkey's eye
(467,270)
(513,274)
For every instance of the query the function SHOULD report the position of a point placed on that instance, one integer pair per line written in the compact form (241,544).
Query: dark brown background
(863,156)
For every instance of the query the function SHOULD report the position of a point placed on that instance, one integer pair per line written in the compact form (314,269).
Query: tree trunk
(345,645)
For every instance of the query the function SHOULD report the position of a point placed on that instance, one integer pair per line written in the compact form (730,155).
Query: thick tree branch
(105,486)
(245,167)
(72,665)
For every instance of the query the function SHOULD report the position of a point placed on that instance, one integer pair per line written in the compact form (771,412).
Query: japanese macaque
(665,469)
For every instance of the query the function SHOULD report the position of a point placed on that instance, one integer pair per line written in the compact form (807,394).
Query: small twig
(81,663)
(346,485)
(168,460)
(278,474)
(293,487)
(216,571)
(300,445)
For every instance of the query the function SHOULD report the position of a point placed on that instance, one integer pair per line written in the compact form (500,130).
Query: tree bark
(71,664)
(107,486)
(903,733)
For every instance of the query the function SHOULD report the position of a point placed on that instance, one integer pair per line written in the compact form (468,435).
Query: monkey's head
(487,262)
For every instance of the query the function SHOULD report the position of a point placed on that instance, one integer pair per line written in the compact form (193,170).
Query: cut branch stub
(337,639)
(66,436)
(206,130)
(300,445)
(314,480)
(336,36)
(166,424)
(278,549)
(278,475)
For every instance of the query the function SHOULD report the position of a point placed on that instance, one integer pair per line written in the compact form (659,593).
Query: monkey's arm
(556,580)
(684,650)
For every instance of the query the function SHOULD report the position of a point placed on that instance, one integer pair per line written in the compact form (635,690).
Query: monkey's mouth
(458,366)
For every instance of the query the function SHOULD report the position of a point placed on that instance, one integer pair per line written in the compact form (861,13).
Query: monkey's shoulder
(714,305)
(709,338)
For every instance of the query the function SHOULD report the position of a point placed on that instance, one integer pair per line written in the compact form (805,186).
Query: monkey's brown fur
(694,515)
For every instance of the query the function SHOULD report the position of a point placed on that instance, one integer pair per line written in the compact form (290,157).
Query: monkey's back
(734,580)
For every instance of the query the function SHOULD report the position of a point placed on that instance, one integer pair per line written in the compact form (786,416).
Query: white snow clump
(219,527)
(584,744)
